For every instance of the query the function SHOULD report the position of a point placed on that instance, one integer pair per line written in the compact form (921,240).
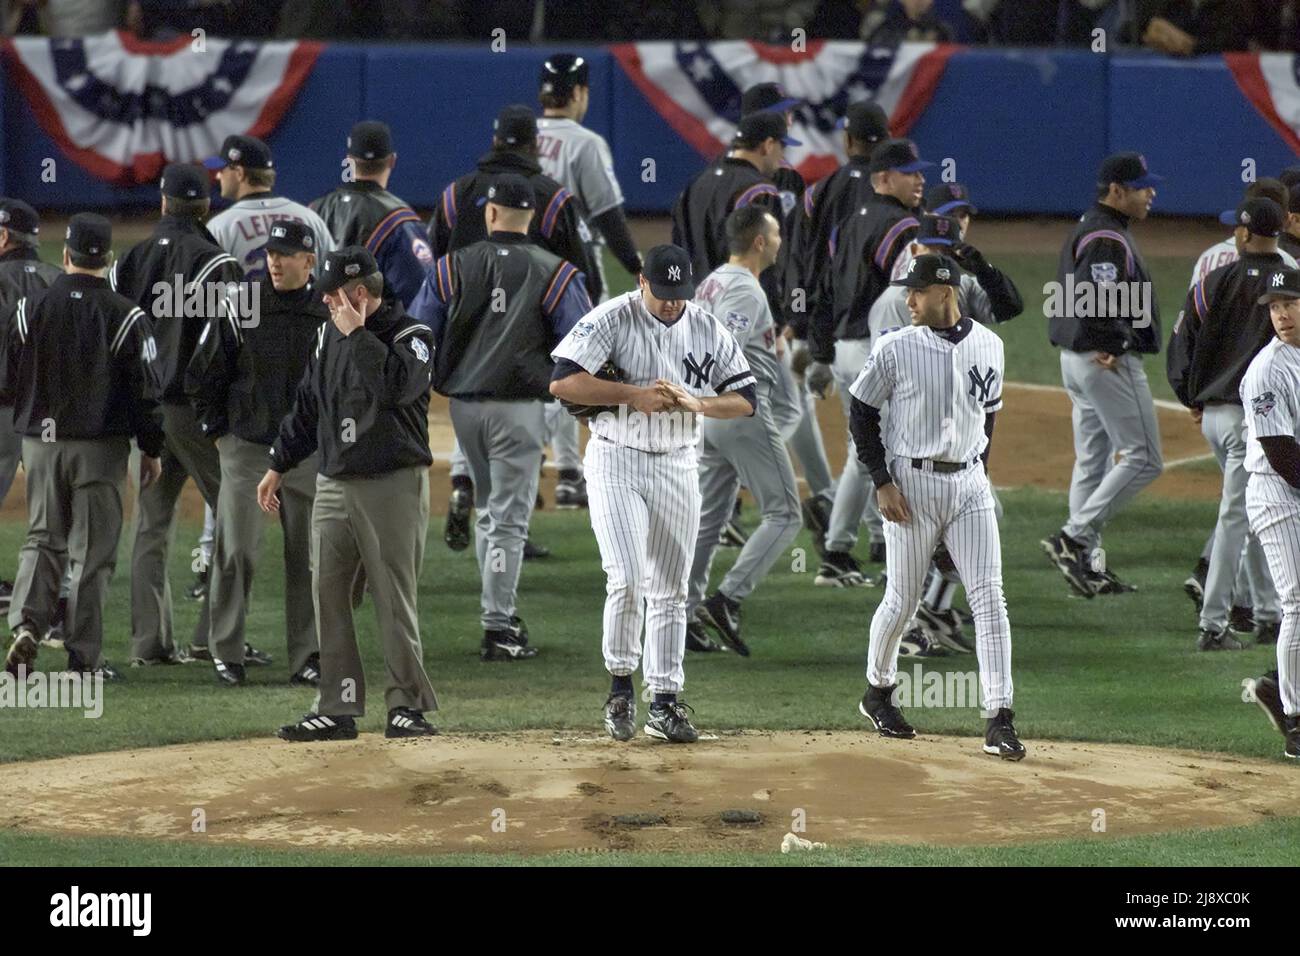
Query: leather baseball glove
(608,372)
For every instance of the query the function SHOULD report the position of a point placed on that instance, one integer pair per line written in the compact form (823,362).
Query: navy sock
(665,698)
(622,686)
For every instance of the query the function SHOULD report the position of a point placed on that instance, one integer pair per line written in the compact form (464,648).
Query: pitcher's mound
(538,792)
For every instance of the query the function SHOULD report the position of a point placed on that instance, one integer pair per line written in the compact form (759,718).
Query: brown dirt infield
(564,792)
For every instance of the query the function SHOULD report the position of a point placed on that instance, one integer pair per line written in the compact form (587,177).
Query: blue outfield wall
(1025,128)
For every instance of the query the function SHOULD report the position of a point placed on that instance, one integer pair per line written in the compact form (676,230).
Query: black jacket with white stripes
(178,247)
(79,364)
(363,401)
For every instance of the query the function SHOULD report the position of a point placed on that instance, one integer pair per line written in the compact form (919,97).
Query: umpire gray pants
(855,499)
(1224,427)
(502,444)
(74,518)
(187,453)
(11,451)
(1113,415)
(750,452)
(238,532)
(378,523)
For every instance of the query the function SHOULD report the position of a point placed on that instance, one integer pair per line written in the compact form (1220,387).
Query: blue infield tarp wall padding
(1026,128)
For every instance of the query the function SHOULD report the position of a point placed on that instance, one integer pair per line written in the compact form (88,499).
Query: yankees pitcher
(942,379)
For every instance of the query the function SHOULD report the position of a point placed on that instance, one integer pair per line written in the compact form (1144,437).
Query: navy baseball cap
(184,181)
(290,237)
(900,155)
(754,128)
(1127,169)
(938,231)
(344,265)
(370,139)
(247,151)
(766,96)
(89,234)
(18,216)
(515,124)
(1283,284)
(946,198)
(930,269)
(510,190)
(865,120)
(668,270)
(1259,216)
(563,72)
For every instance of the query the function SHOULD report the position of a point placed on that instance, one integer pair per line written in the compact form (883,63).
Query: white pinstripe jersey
(938,391)
(1270,394)
(580,161)
(696,352)
(732,294)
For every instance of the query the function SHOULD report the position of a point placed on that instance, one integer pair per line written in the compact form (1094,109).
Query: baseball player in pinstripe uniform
(580,160)
(679,363)
(1270,393)
(942,380)
(748,451)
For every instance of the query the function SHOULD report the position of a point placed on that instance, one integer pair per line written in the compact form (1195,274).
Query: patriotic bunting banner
(123,109)
(696,88)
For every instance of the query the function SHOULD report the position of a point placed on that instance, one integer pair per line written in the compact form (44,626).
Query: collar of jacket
(516,238)
(364,186)
(79,280)
(304,301)
(509,160)
(737,161)
(21,254)
(1112,213)
(180,225)
(388,314)
(889,200)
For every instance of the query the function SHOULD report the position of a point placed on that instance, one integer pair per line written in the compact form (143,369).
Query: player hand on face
(893,506)
(150,470)
(1106,360)
(267,498)
(344,314)
(680,398)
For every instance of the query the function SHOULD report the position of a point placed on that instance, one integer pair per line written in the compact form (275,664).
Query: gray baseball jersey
(889,311)
(581,161)
(242,230)
(1222,254)
(733,295)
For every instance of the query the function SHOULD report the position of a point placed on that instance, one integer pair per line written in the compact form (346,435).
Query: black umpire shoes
(1000,738)
(22,650)
(1071,558)
(723,615)
(456,531)
(408,722)
(1268,696)
(698,639)
(669,721)
(1209,640)
(878,707)
(620,716)
(319,727)
(508,645)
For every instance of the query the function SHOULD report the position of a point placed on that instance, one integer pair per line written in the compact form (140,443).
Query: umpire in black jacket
(363,405)
(242,380)
(79,361)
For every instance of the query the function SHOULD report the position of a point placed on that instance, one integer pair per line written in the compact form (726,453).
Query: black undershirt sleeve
(613,226)
(1283,455)
(988,433)
(564,368)
(864,424)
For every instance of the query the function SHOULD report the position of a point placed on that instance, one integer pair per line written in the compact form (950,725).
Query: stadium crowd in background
(1175,27)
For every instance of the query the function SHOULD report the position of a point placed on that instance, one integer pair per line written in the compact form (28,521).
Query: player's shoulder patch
(1105,272)
(419,348)
(582,329)
(1263,403)
(737,322)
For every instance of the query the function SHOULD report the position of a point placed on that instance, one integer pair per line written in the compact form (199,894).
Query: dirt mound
(542,792)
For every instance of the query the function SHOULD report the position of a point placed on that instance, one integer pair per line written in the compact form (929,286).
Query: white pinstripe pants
(645,510)
(958,510)
(1274,510)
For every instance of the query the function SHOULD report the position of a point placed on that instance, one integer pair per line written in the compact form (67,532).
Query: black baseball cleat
(178,656)
(1292,731)
(22,650)
(1208,640)
(876,552)
(1268,696)
(309,674)
(840,570)
(505,645)
(534,551)
(229,675)
(723,615)
(620,716)
(1105,582)
(878,707)
(1194,586)
(197,653)
(944,627)
(408,722)
(1000,738)
(1241,620)
(105,670)
(816,513)
(733,535)
(915,642)
(570,492)
(670,722)
(1071,559)
(319,727)
(198,590)
(698,639)
(519,628)
(255,658)
(455,532)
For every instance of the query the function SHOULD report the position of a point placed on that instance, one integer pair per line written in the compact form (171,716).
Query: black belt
(940,467)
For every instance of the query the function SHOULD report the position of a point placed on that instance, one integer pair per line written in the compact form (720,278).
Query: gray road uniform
(744,451)
(495,366)
(243,228)
(643,474)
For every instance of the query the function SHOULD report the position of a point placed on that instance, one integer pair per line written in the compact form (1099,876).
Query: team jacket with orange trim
(496,309)
(701,211)
(458,219)
(1091,314)
(363,213)
(1221,329)
(862,253)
